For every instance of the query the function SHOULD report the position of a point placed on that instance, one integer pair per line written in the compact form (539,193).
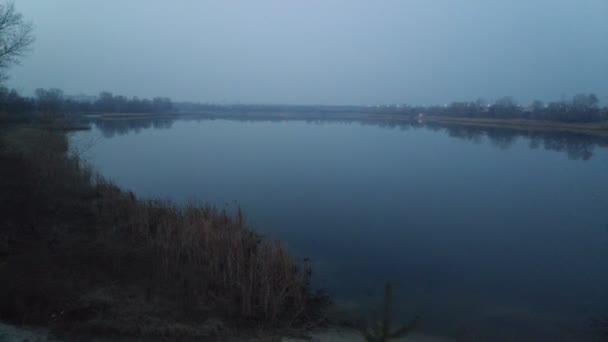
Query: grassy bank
(81,256)
(595,128)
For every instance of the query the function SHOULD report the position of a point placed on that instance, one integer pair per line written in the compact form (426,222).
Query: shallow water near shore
(485,234)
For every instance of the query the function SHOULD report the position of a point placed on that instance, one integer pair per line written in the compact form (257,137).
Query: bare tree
(15,37)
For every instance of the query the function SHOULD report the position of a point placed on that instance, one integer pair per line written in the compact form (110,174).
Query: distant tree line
(109,103)
(581,108)
(13,103)
(52,103)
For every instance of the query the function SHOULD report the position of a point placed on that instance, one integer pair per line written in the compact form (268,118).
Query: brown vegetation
(81,255)
(594,128)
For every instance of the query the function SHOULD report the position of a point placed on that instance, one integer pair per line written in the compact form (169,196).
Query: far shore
(595,128)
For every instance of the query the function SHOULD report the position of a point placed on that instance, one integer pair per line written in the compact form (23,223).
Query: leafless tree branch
(16,37)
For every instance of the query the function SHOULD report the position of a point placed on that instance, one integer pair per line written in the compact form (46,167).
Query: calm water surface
(496,237)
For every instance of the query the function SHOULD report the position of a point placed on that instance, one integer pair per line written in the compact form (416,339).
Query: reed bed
(203,255)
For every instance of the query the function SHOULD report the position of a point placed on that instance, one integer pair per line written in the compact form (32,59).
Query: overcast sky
(319,51)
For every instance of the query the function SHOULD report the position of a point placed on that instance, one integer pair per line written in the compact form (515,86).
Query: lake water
(484,233)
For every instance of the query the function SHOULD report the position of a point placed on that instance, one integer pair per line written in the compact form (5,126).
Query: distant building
(420,117)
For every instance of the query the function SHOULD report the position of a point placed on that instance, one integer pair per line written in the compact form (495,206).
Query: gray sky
(319,51)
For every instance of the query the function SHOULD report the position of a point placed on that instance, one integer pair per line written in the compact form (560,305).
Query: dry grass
(164,269)
(208,255)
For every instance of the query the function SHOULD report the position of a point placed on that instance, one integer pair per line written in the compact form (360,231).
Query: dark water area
(494,234)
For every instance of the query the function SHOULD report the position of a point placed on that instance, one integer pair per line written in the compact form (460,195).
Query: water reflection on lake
(491,233)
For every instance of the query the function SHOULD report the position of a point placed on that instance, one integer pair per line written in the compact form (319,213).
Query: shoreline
(598,128)
(594,128)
